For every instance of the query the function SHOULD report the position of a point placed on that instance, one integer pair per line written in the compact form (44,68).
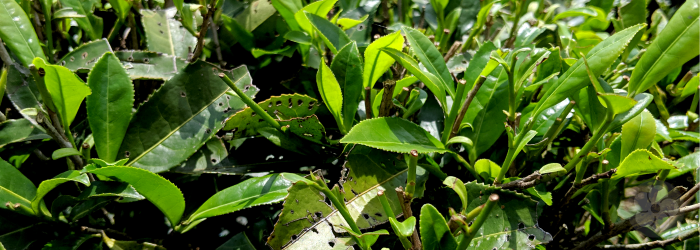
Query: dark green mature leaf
(393,134)
(15,188)
(431,58)
(331,93)
(477,64)
(674,46)
(159,191)
(370,170)
(434,232)
(64,152)
(109,105)
(91,24)
(246,122)
(576,77)
(22,90)
(20,130)
(689,163)
(83,58)
(640,162)
(207,157)
(46,186)
(150,65)
(66,89)
(180,117)
(638,133)
(255,14)
(238,242)
(165,34)
(376,61)
(589,107)
(249,193)
(110,189)
(334,37)
(86,207)
(18,33)
(545,121)
(512,223)
(347,68)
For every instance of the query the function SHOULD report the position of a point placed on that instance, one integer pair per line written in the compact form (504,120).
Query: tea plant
(436,124)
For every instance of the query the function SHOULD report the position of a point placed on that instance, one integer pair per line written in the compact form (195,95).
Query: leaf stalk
(254,106)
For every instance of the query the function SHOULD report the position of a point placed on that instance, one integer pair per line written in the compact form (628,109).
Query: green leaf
(638,133)
(238,242)
(309,128)
(589,106)
(331,93)
(477,64)
(287,51)
(618,104)
(458,186)
(207,158)
(249,193)
(540,191)
(393,134)
(551,168)
(233,32)
(511,224)
(576,77)
(298,37)
(376,61)
(640,162)
(347,68)
(487,169)
(109,106)
(20,130)
(18,33)
(150,65)
(689,163)
(674,46)
(431,81)
(83,58)
(246,122)
(91,24)
(369,170)
(159,191)
(581,11)
(165,34)
(405,228)
(643,100)
(256,13)
(347,23)
(431,58)
(459,139)
(287,8)
(434,232)
(180,116)
(15,187)
(121,7)
(334,37)
(46,186)
(319,8)
(546,120)
(66,89)
(110,189)
(64,152)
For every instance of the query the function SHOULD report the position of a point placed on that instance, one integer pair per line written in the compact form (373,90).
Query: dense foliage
(464,124)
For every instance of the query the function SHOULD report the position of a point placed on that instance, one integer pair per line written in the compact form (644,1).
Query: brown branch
(654,244)
(368,102)
(407,212)
(453,50)
(202,33)
(465,106)
(625,226)
(594,178)
(524,183)
(387,104)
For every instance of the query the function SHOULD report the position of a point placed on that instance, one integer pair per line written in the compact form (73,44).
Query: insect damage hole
(127,154)
(182,94)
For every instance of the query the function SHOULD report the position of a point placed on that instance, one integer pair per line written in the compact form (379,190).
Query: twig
(685,199)
(40,155)
(453,50)
(407,212)
(202,33)
(62,141)
(101,231)
(627,225)
(215,39)
(594,178)
(524,183)
(690,193)
(368,102)
(387,104)
(654,244)
(465,106)
(4,55)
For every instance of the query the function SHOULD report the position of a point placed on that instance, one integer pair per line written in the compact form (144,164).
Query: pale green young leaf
(319,8)
(376,61)
(347,68)
(431,81)
(434,232)
(404,228)
(638,133)
(347,23)
(393,134)
(64,152)
(641,162)
(616,104)
(458,186)
(334,37)
(331,93)
(66,89)
(431,58)
(487,169)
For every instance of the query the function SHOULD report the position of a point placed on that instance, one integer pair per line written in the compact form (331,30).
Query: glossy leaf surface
(393,134)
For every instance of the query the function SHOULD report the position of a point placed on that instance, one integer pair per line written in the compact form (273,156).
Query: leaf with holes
(109,105)
(308,220)
(180,117)
(512,223)
(249,193)
(284,107)
(165,34)
(83,58)
(150,65)
(393,134)
(309,128)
